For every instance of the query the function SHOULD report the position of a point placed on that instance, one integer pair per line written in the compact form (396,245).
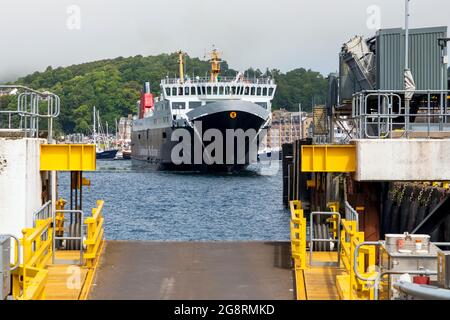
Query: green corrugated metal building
(388,45)
(424,58)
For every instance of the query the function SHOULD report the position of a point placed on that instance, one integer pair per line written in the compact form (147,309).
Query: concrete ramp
(194,270)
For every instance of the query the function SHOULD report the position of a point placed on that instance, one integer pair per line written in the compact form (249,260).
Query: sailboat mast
(94,132)
(107,136)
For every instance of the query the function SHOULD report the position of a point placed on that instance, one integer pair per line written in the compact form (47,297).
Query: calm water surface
(154,205)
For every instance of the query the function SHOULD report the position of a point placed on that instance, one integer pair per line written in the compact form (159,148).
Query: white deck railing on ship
(207,80)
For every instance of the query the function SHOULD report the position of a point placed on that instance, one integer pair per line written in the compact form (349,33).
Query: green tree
(114,86)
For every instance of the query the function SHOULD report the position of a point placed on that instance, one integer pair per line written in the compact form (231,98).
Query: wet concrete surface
(194,270)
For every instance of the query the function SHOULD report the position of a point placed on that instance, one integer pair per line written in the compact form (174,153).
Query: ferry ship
(198,105)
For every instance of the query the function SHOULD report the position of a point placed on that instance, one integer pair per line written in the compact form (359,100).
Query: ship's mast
(181,65)
(215,65)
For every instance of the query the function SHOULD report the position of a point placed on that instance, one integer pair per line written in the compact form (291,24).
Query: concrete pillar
(20,183)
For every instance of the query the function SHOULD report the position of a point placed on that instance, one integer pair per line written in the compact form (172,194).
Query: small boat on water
(124,154)
(104,150)
(107,154)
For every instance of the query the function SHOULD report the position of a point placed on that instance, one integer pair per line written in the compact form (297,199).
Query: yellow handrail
(348,285)
(298,235)
(59,217)
(30,278)
(94,234)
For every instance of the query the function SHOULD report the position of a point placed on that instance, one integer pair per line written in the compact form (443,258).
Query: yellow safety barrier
(298,246)
(298,235)
(334,207)
(59,217)
(95,233)
(348,285)
(30,279)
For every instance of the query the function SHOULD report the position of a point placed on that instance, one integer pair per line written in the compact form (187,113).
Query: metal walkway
(319,283)
(194,270)
(67,281)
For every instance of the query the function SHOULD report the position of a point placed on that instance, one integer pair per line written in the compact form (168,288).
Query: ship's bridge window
(264,91)
(167,91)
(178,105)
(208,88)
(258,91)
(233,90)
(214,90)
(186,91)
(194,104)
(252,91)
(180,91)
(174,91)
(262,104)
(247,91)
(193,91)
(220,90)
(227,90)
(203,90)
(270,91)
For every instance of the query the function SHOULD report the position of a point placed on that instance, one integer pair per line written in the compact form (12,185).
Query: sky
(282,34)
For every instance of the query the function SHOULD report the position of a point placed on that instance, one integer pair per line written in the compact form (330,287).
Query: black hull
(154,146)
(204,168)
(107,155)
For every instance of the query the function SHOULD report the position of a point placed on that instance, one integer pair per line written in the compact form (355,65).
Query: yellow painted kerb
(68,157)
(329,158)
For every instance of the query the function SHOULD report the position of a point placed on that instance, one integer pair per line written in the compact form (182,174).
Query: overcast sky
(282,34)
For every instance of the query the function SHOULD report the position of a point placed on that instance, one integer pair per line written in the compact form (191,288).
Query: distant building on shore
(288,127)
(124,130)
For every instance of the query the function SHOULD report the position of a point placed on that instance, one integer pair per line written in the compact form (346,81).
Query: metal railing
(377,277)
(298,235)
(31,107)
(357,280)
(207,80)
(350,285)
(383,114)
(351,214)
(71,233)
(421,292)
(39,246)
(43,213)
(334,216)
(30,278)
(94,236)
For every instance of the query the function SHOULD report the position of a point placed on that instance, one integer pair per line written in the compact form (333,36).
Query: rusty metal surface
(194,270)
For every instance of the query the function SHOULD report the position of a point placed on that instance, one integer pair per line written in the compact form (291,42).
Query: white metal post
(407,100)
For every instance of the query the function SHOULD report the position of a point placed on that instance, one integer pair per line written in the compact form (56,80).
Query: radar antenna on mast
(215,64)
